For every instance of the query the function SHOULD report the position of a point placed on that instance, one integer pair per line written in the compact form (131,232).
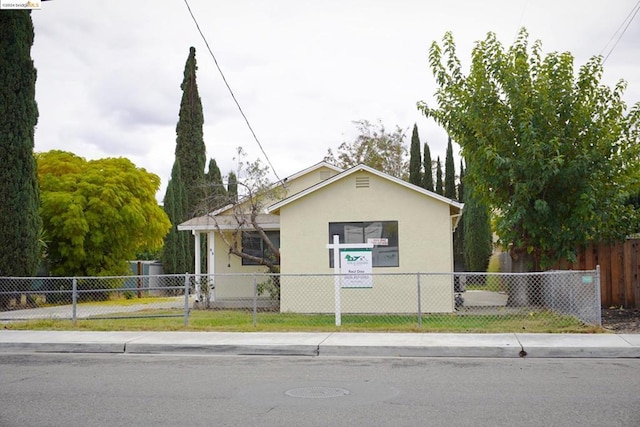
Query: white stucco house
(412,230)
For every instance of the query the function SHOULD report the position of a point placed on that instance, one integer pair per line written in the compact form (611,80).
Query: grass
(242,321)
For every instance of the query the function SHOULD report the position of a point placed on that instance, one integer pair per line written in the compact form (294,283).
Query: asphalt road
(125,390)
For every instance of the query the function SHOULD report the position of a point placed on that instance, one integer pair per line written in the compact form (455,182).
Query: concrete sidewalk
(325,344)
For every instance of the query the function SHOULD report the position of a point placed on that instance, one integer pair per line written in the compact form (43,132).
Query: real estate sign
(356,267)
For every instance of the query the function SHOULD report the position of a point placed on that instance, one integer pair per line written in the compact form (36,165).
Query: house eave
(213,227)
(273,209)
(228,222)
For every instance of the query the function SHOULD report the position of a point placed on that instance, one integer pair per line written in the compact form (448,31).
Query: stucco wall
(389,294)
(424,225)
(424,237)
(229,284)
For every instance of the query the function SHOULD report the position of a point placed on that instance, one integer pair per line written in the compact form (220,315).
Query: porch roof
(227,222)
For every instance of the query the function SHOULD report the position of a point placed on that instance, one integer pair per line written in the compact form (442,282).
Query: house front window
(252,244)
(383,234)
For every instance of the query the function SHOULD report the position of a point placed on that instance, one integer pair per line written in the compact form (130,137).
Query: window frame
(376,250)
(263,247)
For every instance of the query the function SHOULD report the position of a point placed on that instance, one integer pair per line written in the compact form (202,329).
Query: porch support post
(211,264)
(197,264)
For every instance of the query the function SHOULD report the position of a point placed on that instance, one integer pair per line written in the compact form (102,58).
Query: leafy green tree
(257,192)
(239,221)
(427,178)
(415,160)
(97,214)
(439,184)
(554,152)
(449,173)
(374,147)
(191,154)
(20,223)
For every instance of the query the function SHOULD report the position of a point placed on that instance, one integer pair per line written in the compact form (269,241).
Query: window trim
(363,224)
(264,247)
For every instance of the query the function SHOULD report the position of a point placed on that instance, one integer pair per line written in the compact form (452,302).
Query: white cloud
(109,73)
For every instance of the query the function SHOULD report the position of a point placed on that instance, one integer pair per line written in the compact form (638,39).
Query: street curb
(229,343)
(68,347)
(223,349)
(421,345)
(579,346)
(337,344)
(433,351)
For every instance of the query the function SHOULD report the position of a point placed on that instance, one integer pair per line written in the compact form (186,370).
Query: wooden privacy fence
(619,271)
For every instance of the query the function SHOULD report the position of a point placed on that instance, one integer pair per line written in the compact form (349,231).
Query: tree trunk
(523,290)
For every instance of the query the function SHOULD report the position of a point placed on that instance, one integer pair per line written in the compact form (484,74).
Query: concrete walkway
(325,344)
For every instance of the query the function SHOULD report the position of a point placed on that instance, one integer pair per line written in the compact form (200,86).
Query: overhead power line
(620,31)
(195,21)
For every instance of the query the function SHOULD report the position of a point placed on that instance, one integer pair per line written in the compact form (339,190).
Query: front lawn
(243,321)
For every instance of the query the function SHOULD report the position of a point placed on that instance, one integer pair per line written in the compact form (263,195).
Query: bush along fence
(421,301)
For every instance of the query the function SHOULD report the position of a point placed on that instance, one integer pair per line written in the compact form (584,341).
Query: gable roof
(311,169)
(228,221)
(363,168)
(282,182)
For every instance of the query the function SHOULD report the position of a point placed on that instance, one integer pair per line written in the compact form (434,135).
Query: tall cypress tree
(191,155)
(458,235)
(478,239)
(174,257)
(214,186)
(232,188)
(461,183)
(415,160)
(439,186)
(20,222)
(449,173)
(427,178)
(190,147)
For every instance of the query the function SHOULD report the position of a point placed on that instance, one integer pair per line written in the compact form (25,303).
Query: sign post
(353,277)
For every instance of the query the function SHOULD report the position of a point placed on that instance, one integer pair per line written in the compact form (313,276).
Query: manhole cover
(316,392)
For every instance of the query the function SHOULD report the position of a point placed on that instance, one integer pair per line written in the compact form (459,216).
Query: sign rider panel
(356,267)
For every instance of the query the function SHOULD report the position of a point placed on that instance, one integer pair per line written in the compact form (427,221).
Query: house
(412,229)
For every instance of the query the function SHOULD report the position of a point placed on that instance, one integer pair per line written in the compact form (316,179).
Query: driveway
(86,310)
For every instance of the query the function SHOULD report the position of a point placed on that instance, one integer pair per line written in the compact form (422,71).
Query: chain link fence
(73,298)
(420,301)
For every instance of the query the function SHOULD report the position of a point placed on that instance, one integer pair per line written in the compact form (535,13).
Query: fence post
(74,299)
(598,296)
(186,299)
(255,302)
(419,302)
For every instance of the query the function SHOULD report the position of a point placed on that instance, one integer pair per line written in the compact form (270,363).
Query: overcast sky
(109,72)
